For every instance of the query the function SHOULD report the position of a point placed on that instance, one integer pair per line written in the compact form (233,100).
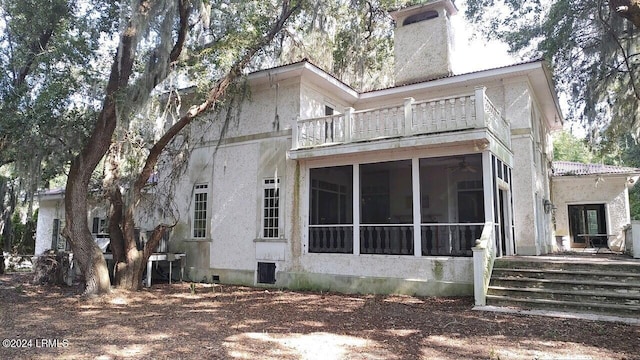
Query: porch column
(417,216)
(489,187)
(356,209)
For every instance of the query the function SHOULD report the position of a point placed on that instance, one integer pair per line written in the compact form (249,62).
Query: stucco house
(317,185)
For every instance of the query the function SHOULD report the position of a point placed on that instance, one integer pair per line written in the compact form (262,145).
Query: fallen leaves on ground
(234,322)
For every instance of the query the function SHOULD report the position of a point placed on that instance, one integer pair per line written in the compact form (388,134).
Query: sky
(486,55)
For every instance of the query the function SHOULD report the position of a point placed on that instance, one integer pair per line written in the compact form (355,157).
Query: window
(200,210)
(328,110)
(428,15)
(100,226)
(58,243)
(55,234)
(270,208)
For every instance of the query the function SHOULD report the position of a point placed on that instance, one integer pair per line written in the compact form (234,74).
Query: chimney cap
(401,14)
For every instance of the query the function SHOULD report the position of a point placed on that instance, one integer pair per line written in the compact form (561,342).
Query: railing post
(483,258)
(348,112)
(479,255)
(479,95)
(408,115)
(294,133)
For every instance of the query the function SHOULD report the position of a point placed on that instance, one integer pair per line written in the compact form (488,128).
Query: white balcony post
(347,124)
(479,95)
(408,115)
(294,133)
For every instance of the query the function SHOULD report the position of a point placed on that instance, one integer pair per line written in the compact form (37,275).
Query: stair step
(551,285)
(550,304)
(620,266)
(571,282)
(635,275)
(605,297)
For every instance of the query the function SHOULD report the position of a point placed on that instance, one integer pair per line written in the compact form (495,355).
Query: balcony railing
(449,239)
(464,112)
(330,239)
(386,239)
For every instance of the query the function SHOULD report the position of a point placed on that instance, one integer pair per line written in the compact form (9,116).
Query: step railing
(484,255)
(454,113)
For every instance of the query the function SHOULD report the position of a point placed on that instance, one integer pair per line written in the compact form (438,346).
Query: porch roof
(569,168)
(51,194)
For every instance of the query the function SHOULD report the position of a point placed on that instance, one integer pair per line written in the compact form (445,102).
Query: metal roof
(569,168)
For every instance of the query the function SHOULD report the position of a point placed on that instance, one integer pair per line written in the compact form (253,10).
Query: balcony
(412,118)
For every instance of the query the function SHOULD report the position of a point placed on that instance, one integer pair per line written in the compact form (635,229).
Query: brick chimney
(423,41)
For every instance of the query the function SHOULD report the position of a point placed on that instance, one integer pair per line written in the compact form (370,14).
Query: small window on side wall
(328,110)
(427,15)
(200,202)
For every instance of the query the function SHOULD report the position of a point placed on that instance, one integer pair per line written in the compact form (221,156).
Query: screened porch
(416,207)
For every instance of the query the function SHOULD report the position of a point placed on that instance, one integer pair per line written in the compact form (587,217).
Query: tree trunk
(130,271)
(128,266)
(86,252)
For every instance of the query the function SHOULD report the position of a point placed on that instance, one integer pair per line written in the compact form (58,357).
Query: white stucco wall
(49,210)
(52,207)
(532,153)
(575,190)
(253,149)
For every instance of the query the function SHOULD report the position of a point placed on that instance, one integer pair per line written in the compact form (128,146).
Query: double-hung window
(271,208)
(200,199)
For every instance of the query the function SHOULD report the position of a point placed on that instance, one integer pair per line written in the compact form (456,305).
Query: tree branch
(214,95)
(628,65)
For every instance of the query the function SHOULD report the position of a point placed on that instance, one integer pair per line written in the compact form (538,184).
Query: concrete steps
(575,285)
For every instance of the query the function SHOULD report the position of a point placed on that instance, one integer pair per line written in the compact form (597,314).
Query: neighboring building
(319,186)
(592,203)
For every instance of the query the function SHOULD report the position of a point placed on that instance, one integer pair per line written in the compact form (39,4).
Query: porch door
(588,219)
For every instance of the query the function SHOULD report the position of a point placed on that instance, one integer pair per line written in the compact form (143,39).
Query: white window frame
(199,224)
(99,225)
(271,230)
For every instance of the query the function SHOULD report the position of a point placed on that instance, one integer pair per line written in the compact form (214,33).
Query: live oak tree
(234,48)
(169,25)
(45,59)
(140,50)
(592,45)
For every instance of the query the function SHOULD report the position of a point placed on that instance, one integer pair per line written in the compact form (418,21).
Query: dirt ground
(231,322)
